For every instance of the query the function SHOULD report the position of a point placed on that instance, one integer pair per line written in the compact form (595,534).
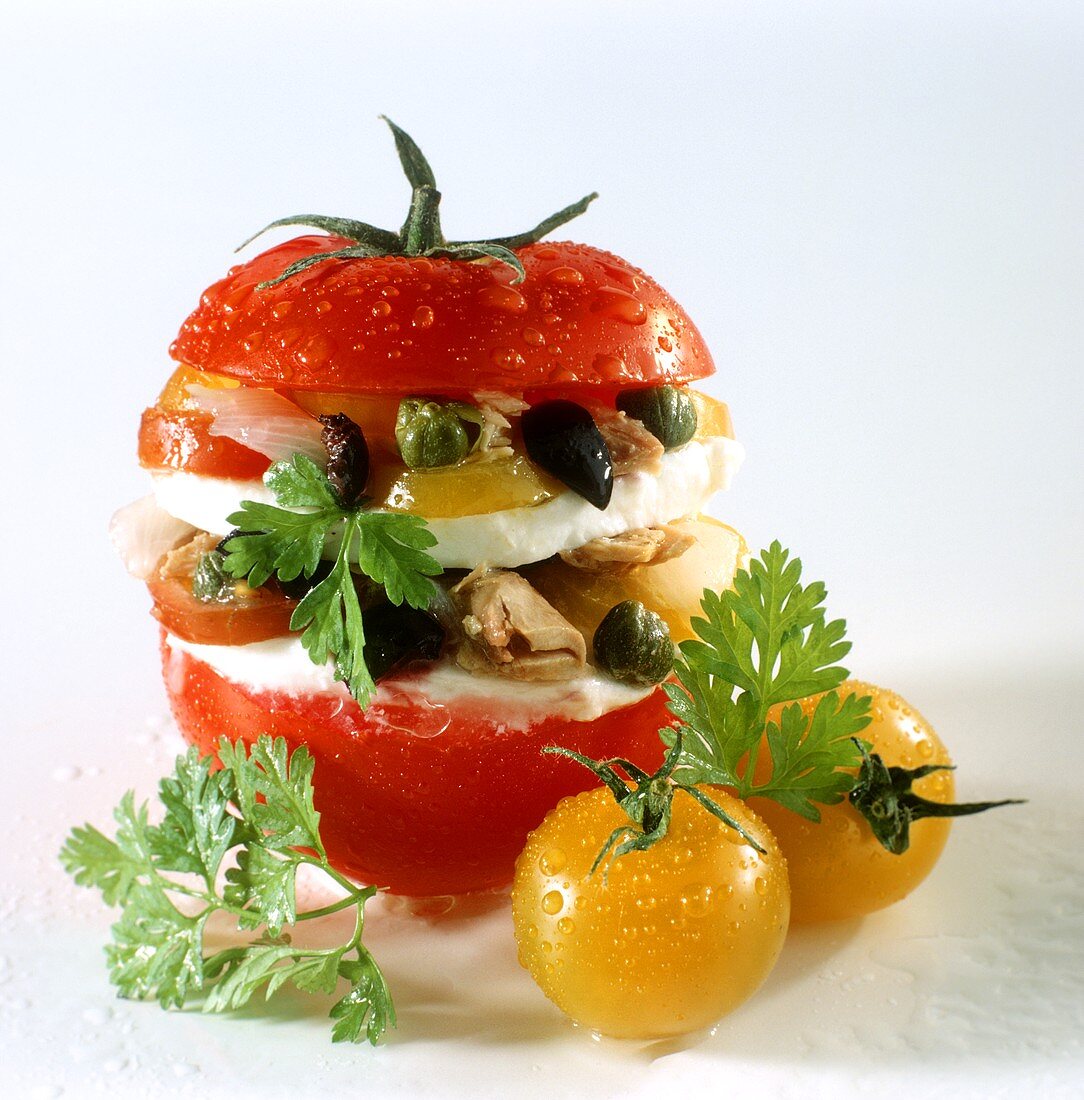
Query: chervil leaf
(329,617)
(386,547)
(807,752)
(198,828)
(391,550)
(763,643)
(274,963)
(368,1004)
(275,792)
(112,866)
(262,884)
(156,949)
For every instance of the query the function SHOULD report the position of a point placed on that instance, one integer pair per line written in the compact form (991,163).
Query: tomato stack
(432,788)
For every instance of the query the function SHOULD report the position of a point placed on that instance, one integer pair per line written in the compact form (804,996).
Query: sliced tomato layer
(423,799)
(170,440)
(255,616)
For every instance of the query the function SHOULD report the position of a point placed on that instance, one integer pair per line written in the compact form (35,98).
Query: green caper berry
(633,644)
(429,434)
(210,582)
(667,412)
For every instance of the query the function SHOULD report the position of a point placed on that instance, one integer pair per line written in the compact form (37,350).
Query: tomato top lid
(365,310)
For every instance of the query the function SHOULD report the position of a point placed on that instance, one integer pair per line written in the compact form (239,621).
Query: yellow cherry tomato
(668,941)
(837,867)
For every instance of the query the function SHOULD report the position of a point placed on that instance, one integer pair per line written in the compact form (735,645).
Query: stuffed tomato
(427,507)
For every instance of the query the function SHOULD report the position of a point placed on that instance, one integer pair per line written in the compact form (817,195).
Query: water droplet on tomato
(281,309)
(547,253)
(252,341)
(619,305)
(665,343)
(925,749)
(611,367)
(566,926)
(316,351)
(697,901)
(622,276)
(323,306)
(504,298)
(553,902)
(506,357)
(236,298)
(533,337)
(390,292)
(552,861)
(566,276)
(760,885)
(287,337)
(423,317)
(381,309)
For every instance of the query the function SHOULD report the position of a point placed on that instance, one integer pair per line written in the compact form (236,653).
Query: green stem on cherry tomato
(883,796)
(648,804)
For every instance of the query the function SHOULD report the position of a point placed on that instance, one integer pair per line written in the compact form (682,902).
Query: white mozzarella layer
(282,665)
(515,536)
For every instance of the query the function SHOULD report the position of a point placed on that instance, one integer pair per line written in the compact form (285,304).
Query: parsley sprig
(388,548)
(762,643)
(158,947)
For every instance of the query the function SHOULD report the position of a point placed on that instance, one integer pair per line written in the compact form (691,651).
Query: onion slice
(142,533)
(262,420)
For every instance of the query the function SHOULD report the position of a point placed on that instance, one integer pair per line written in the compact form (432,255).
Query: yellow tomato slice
(175,396)
(467,489)
(672,589)
(712,417)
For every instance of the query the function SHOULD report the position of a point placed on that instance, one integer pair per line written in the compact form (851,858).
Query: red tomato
(583,318)
(424,800)
(260,614)
(171,440)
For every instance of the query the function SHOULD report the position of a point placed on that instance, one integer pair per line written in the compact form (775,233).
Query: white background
(873,211)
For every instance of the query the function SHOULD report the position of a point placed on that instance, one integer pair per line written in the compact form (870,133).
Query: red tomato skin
(266,615)
(171,440)
(583,318)
(421,815)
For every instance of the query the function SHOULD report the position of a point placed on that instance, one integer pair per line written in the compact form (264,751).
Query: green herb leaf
(275,792)
(198,828)
(762,643)
(387,548)
(157,947)
(156,951)
(263,885)
(368,1005)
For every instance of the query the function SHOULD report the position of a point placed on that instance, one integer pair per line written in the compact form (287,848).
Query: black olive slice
(563,438)
(347,457)
(395,635)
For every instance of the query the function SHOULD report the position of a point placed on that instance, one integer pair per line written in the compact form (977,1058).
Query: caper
(430,434)
(210,581)
(667,412)
(633,644)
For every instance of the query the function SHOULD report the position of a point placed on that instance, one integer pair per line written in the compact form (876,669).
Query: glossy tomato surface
(838,869)
(425,800)
(174,440)
(255,616)
(668,941)
(394,324)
